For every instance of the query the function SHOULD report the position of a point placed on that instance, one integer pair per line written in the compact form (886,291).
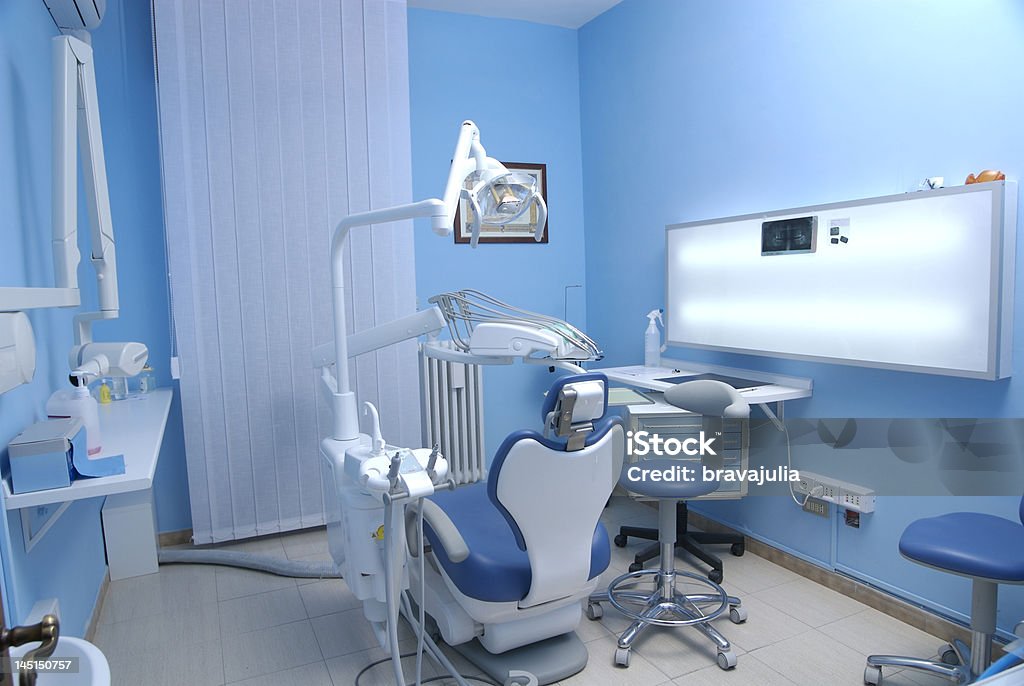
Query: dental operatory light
(499,197)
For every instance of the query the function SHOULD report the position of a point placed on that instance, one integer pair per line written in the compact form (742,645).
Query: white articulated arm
(65,167)
(94,177)
(346,417)
(466,158)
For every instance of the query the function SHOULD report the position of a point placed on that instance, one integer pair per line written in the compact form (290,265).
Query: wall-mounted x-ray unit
(918,282)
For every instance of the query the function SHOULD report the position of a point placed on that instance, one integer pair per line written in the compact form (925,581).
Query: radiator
(453,413)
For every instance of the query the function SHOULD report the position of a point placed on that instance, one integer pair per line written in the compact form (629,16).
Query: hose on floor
(297,569)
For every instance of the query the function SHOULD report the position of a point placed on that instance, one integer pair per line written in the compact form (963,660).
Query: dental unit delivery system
(367,482)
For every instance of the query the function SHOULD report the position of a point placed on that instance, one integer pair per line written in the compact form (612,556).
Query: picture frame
(520,231)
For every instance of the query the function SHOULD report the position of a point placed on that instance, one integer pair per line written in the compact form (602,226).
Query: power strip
(842,493)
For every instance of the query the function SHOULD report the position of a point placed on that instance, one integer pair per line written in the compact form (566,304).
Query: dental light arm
(507,198)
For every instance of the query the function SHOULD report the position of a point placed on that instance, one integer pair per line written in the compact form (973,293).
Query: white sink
(93,669)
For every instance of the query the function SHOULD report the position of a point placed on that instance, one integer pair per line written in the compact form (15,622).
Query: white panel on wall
(277,119)
(919,282)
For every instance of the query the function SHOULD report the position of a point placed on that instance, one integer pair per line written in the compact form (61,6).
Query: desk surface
(775,388)
(133,428)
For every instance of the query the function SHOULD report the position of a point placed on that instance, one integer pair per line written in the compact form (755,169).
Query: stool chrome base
(665,606)
(952,664)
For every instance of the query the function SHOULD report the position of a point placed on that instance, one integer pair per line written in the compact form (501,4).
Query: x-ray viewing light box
(916,282)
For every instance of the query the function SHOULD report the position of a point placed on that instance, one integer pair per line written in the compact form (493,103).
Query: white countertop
(133,428)
(776,387)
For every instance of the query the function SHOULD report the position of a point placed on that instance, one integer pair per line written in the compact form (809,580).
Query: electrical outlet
(816,506)
(843,494)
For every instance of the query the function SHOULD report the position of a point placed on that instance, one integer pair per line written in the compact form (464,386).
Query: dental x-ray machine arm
(76,128)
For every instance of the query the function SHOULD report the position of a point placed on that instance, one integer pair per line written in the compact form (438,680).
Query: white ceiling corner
(571,14)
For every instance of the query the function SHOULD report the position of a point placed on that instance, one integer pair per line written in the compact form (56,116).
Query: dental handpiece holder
(378,477)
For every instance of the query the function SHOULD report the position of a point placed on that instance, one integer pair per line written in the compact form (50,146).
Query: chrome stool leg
(666,605)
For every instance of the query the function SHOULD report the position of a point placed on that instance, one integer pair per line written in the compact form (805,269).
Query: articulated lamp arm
(469,155)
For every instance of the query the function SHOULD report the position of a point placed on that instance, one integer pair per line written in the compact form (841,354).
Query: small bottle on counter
(147,382)
(119,387)
(103,394)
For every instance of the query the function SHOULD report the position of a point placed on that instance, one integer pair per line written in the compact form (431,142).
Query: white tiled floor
(215,625)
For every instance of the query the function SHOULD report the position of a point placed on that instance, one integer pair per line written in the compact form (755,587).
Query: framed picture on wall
(520,231)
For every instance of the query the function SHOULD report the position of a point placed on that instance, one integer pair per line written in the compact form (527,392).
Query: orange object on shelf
(987,175)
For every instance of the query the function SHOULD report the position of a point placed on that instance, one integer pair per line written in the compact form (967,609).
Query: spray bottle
(652,340)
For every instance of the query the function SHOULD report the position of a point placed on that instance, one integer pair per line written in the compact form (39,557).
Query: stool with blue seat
(510,560)
(987,549)
(678,598)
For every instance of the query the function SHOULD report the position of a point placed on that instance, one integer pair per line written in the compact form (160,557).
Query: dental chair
(678,598)
(987,549)
(510,560)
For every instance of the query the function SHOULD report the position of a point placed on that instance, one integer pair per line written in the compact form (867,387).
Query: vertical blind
(277,119)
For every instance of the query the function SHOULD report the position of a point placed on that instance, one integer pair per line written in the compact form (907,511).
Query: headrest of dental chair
(710,398)
(572,406)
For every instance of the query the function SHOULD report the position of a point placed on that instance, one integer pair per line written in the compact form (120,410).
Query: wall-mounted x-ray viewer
(917,282)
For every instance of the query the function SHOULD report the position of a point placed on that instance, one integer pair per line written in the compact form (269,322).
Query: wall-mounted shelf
(133,428)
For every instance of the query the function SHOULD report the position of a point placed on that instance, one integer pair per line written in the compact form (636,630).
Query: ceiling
(568,13)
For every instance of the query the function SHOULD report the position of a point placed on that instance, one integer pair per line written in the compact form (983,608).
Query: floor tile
(313,674)
(197,665)
(765,625)
(813,659)
(236,583)
(601,668)
(173,587)
(305,543)
(172,631)
(872,632)
(327,597)
(347,632)
(810,602)
(749,671)
(269,650)
(250,613)
(344,669)
(751,574)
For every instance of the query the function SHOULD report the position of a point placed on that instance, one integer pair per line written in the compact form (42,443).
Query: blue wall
(693,111)
(69,562)
(702,110)
(525,114)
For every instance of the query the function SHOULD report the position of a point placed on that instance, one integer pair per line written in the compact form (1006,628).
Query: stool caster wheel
(622,657)
(873,676)
(594,611)
(727,659)
(620,541)
(737,614)
(738,549)
(948,655)
(635,567)
(716,575)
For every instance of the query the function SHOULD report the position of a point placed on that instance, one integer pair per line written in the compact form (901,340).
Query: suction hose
(261,563)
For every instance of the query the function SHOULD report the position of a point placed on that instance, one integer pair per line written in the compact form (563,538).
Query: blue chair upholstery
(968,543)
(497,569)
(498,566)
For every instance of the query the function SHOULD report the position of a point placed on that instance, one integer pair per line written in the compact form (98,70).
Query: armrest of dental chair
(450,538)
